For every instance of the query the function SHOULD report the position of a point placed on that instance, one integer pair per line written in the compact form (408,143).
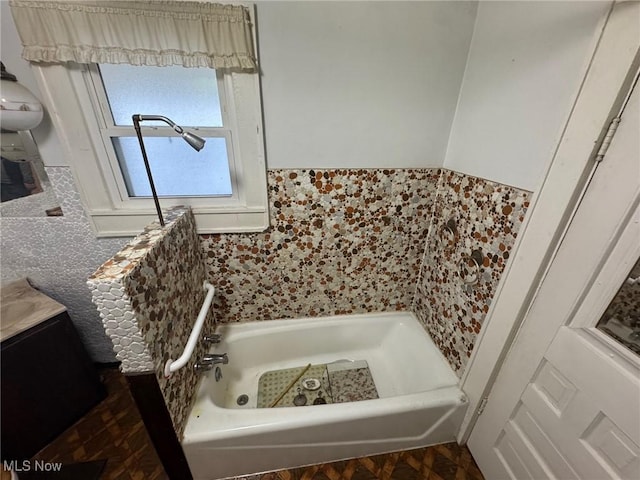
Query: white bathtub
(420,403)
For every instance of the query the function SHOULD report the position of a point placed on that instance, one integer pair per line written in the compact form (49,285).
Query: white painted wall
(361,84)
(11,49)
(525,66)
(56,254)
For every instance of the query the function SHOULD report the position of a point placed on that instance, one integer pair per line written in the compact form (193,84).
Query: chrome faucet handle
(214,338)
(202,366)
(214,358)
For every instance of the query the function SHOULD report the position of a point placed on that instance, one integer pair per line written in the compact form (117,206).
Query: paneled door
(566,403)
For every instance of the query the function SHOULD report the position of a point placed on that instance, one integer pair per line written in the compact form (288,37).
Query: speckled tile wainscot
(151,292)
(340,241)
(487,217)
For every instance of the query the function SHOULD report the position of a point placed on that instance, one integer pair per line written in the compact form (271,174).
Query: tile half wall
(149,295)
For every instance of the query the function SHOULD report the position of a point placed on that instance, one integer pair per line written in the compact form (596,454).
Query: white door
(566,403)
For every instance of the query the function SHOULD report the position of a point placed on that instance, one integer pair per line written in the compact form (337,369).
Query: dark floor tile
(112,431)
(404,471)
(362,473)
(74,471)
(444,467)
(440,462)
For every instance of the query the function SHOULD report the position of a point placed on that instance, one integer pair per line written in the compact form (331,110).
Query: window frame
(71,104)
(109,130)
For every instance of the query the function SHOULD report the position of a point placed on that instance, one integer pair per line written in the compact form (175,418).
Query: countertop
(22,307)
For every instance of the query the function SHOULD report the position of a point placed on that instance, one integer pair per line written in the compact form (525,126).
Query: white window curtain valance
(141,32)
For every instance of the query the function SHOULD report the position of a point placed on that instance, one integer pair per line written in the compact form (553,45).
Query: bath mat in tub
(273,383)
(351,381)
(342,381)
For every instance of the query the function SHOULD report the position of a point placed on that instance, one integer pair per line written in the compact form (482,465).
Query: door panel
(566,403)
(569,424)
(526,422)
(593,426)
(614,386)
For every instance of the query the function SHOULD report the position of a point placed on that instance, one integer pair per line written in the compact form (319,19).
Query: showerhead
(194,140)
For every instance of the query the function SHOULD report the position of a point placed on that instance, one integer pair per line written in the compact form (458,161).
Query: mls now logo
(28,466)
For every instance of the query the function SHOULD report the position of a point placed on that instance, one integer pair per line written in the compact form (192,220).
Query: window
(91,106)
(188,96)
(224,183)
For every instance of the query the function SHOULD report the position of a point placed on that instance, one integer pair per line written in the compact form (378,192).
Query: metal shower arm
(193,140)
(144,118)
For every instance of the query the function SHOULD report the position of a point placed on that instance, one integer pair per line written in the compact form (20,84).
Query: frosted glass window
(178,170)
(188,96)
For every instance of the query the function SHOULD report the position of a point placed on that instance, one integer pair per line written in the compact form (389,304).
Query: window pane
(177,169)
(621,320)
(188,96)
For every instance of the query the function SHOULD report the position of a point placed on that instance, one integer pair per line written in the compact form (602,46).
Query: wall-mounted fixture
(26,189)
(195,141)
(449,234)
(19,108)
(469,267)
(171,365)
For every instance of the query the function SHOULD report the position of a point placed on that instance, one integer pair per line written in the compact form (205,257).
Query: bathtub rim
(402,324)
(237,422)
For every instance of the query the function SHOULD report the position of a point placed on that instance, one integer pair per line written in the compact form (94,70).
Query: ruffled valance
(141,32)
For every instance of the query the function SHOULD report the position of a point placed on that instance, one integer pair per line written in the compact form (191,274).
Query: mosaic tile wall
(149,294)
(340,241)
(487,217)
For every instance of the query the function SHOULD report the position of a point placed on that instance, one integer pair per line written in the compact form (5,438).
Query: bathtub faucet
(209,360)
(214,338)
(202,367)
(214,358)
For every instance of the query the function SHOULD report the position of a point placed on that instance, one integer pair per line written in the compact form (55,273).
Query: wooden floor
(114,431)
(440,462)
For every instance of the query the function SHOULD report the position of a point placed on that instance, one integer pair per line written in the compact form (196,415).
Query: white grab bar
(171,365)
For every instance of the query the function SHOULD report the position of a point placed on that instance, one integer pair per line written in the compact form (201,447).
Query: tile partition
(149,295)
(488,216)
(340,241)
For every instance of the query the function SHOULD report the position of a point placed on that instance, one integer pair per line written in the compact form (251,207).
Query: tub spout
(214,358)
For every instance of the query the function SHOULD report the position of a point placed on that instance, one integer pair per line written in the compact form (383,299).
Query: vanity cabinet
(48,383)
